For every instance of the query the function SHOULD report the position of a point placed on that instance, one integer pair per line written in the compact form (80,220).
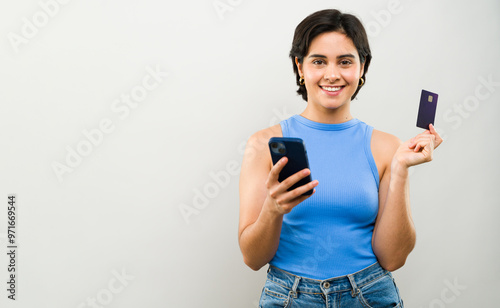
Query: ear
(299,66)
(362,71)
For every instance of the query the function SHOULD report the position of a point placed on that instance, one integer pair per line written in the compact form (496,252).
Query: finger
(423,142)
(290,199)
(427,151)
(294,178)
(297,192)
(435,133)
(418,144)
(418,137)
(414,141)
(276,169)
(294,202)
(411,143)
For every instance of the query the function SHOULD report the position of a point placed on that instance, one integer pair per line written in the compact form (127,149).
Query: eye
(345,62)
(318,62)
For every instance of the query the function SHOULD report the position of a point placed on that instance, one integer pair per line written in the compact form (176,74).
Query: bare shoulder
(266,133)
(383,146)
(385,141)
(258,142)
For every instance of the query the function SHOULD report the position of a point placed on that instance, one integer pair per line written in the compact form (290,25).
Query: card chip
(430,98)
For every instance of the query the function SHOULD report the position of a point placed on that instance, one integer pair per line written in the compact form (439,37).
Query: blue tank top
(329,234)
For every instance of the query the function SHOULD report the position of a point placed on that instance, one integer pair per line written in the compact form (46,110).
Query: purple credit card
(427,109)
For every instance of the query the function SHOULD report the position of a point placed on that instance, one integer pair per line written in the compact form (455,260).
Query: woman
(340,244)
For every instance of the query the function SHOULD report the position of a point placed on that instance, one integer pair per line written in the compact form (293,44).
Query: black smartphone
(295,150)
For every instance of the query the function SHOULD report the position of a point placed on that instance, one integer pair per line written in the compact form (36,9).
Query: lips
(332,90)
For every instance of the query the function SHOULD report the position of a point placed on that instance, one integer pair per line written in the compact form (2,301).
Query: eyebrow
(348,55)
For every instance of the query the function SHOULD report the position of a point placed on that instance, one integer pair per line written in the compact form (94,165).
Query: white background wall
(117,213)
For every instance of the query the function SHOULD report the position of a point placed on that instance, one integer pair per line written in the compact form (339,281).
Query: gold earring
(301,81)
(362,82)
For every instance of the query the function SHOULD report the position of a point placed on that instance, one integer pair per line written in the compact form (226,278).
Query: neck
(326,115)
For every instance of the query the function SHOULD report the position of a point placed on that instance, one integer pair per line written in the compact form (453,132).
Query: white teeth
(331,89)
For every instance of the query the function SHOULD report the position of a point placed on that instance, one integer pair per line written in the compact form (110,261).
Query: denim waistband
(350,282)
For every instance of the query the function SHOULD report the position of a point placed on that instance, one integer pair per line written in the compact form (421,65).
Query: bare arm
(394,235)
(264,201)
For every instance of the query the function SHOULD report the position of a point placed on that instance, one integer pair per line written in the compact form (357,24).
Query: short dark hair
(330,20)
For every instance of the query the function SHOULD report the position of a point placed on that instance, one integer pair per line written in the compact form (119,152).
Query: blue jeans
(372,287)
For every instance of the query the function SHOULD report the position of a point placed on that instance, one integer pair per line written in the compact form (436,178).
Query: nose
(332,72)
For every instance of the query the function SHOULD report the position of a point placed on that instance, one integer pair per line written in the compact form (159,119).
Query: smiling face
(331,71)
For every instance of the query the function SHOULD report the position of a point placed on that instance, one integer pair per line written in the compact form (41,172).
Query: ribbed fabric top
(329,234)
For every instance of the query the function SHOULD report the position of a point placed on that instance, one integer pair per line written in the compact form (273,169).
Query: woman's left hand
(418,149)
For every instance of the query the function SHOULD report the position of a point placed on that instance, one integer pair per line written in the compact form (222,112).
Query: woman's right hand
(281,200)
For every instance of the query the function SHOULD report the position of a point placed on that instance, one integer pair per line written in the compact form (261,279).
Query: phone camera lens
(278,148)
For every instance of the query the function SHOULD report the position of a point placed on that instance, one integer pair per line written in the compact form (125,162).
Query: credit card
(427,109)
